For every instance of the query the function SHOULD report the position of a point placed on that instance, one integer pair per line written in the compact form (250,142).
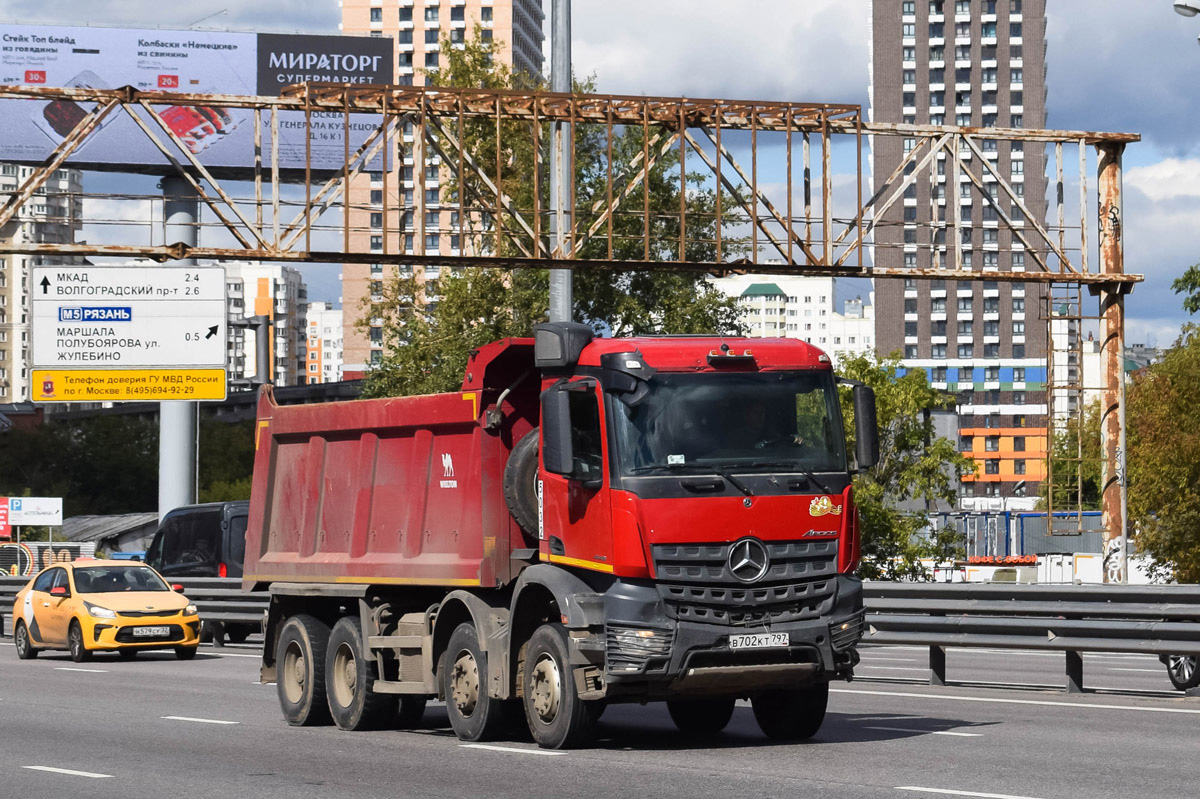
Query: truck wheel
(300,670)
(25,648)
(409,711)
(792,715)
(701,716)
(1183,671)
(474,716)
(557,717)
(520,482)
(350,678)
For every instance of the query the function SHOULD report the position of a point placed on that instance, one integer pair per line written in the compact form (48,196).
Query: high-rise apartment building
(277,291)
(418,27)
(53,215)
(324,347)
(802,308)
(977,63)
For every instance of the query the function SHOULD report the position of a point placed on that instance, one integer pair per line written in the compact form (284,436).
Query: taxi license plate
(150,632)
(759,640)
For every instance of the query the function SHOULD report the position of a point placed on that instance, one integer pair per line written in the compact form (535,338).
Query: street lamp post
(1187,10)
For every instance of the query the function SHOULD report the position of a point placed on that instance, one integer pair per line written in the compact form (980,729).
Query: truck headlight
(97,612)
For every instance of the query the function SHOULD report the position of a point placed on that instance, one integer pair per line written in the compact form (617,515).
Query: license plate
(759,640)
(150,632)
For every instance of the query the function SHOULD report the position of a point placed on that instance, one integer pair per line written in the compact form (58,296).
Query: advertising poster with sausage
(193,62)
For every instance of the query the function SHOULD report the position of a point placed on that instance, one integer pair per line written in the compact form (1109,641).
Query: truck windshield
(767,421)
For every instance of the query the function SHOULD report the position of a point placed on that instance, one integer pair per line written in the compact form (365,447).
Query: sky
(1113,65)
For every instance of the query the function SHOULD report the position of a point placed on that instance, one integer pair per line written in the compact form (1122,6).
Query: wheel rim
(1183,667)
(294,676)
(545,689)
(344,680)
(464,683)
(22,640)
(76,640)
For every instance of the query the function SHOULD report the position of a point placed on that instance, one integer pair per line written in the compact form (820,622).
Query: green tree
(1164,458)
(914,464)
(427,343)
(1189,283)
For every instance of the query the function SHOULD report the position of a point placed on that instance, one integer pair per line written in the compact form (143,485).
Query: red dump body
(406,490)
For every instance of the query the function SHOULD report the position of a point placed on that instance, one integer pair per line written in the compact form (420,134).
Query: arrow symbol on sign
(212,331)
(45,284)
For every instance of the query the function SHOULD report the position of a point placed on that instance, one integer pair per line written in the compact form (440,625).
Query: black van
(201,541)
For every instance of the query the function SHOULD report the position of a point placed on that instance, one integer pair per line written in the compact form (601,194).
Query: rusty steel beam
(1113,498)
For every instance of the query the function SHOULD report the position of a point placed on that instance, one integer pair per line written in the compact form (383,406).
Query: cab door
(576,517)
(36,607)
(57,609)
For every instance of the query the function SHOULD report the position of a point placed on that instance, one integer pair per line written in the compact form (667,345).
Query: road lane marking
(948,792)
(892,668)
(1001,701)
(199,721)
(927,732)
(89,671)
(1147,671)
(511,749)
(229,654)
(69,772)
(877,657)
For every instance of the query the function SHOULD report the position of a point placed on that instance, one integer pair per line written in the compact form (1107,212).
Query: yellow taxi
(91,605)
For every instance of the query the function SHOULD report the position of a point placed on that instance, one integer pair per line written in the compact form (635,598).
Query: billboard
(195,62)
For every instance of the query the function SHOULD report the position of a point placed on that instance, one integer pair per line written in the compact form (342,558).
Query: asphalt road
(156,726)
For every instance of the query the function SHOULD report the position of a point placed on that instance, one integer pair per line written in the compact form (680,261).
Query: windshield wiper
(795,466)
(703,467)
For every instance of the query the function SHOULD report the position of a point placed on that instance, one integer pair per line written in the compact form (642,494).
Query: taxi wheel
(79,651)
(184,652)
(25,648)
(349,679)
(300,670)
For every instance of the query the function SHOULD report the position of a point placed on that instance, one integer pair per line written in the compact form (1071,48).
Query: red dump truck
(589,520)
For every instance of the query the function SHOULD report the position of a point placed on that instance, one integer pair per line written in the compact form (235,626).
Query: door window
(45,580)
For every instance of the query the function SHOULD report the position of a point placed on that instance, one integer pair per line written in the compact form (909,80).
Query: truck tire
(474,716)
(300,670)
(350,678)
(700,717)
(1183,671)
(520,482)
(409,711)
(557,717)
(792,715)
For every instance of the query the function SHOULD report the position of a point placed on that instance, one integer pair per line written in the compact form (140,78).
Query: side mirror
(557,457)
(60,591)
(177,588)
(866,428)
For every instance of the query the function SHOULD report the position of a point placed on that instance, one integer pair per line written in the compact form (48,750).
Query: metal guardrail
(1072,619)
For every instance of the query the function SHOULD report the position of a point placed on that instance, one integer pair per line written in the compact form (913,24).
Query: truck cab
(587,521)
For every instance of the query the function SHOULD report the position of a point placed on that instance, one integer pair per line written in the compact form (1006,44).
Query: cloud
(766,50)
(309,16)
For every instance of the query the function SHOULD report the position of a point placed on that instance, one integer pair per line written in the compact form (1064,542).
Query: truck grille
(696,584)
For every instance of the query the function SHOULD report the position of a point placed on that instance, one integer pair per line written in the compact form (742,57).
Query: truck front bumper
(646,654)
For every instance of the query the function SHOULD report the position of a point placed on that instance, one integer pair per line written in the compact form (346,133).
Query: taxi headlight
(190,610)
(97,612)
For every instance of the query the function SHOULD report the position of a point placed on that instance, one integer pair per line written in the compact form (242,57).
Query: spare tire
(520,482)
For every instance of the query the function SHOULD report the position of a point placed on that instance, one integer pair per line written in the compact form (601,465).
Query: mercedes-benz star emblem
(748,560)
